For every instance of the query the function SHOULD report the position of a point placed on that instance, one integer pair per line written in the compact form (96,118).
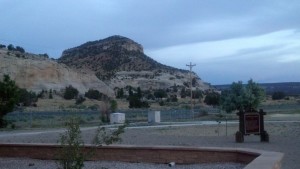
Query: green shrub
(278,95)
(71,155)
(160,93)
(104,137)
(113,105)
(20,49)
(120,93)
(9,96)
(80,100)
(50,94)
(212,98)
(11,47)
(27,98)
(161,103)
(70,92)
(95,94)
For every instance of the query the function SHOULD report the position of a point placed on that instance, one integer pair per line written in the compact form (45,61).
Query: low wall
(155,154)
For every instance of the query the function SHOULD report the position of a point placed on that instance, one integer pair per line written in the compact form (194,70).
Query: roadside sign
(252,123)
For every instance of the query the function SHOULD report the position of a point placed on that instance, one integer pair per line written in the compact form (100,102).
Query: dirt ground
(284,137)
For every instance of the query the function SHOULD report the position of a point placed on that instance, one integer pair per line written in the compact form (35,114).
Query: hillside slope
(37,73)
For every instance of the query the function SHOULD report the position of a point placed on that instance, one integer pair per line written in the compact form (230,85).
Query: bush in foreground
(72,156)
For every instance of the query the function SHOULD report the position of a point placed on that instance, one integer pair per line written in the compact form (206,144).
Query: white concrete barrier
(118,118)
(154,117)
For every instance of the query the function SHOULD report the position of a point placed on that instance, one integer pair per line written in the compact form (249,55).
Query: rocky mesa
(119,62)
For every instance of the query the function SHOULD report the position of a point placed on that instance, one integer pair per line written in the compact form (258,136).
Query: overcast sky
(228,40)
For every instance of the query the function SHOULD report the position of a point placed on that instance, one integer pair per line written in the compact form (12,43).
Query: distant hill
(111,55)
(120,61)
(104,65)
(289,88)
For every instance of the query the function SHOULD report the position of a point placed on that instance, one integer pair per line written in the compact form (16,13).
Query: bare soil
(284,137)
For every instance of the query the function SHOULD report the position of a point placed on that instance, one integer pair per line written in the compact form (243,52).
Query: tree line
(11,47)
(237,97)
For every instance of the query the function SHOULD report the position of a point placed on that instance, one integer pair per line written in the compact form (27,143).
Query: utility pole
(191,83)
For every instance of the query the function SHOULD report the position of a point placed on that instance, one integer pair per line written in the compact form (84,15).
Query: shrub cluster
(11,47)
(278,95)
(70,92)
(95,94)
(212,98)
(27,98)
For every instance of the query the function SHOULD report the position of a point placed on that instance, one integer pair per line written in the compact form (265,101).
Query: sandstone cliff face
(107,56)
(148,80)
(36,74)
(112,42)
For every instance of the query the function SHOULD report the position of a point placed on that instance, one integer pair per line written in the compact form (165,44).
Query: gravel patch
(284,137)
(16,163)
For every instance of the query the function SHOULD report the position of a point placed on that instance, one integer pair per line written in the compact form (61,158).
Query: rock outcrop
(120,62)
